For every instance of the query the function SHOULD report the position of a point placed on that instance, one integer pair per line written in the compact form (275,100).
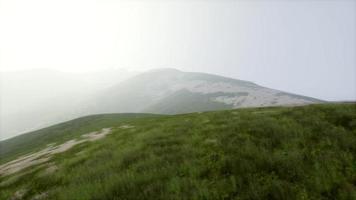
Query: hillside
(59,133)
(34,105)
(305,152)
(170,91)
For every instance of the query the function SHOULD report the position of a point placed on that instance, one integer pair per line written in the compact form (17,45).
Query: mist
(56,54)
(34,99)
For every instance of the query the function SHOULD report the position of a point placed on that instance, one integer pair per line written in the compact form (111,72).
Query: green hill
(36,140)
(304,152)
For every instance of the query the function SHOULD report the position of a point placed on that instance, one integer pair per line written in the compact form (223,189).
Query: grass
(262,153)
(33,141)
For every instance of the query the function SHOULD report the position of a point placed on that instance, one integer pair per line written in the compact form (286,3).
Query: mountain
(36,99)
(170,91)
(304,152)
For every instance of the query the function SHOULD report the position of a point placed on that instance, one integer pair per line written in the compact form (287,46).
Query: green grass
(262,153)
(26,143)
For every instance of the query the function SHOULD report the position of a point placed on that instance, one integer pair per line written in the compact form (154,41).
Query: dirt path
(45,154)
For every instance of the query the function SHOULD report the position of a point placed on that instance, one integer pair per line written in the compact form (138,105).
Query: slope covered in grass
(265,153)
(36,140)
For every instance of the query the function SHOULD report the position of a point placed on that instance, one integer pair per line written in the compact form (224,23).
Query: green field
(304,152)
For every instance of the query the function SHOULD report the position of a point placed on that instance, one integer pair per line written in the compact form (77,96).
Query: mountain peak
(163,70)
(172,91)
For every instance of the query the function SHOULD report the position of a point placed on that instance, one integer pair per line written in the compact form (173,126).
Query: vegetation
(262,153)
(26,143)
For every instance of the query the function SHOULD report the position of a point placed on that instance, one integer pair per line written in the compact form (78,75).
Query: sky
(306,47)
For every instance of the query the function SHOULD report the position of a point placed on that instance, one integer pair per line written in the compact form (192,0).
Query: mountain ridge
(160,91)
(145,91)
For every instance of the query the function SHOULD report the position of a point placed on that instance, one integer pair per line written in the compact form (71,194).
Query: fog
(55,53)
(34,99)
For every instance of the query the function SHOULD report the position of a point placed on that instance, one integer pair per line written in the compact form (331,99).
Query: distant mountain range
(162,91)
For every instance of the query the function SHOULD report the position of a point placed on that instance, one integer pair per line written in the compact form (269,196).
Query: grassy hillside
(265,153)
(36,140)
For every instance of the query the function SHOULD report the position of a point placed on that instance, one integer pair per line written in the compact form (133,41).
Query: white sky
(301,46)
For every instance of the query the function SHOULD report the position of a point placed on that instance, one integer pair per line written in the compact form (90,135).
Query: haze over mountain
(258,102)
(34,99)
(48,97)
(170,91)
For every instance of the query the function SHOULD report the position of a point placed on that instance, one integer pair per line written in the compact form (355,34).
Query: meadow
(306,152)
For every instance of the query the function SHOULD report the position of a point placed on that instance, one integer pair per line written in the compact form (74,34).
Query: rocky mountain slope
(172,91)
